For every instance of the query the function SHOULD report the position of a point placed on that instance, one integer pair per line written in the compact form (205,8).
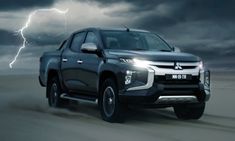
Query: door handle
(64,59)
(79,61)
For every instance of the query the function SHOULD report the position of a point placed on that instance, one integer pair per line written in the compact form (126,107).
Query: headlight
(136,62)
(125,60)
(201,67)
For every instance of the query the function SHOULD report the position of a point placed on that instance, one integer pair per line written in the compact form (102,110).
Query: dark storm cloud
(174,12)
(39,39)
(209,9)
(43,39)
(139,4)
(6,5)
(9,38)
(191,10)
(184,9)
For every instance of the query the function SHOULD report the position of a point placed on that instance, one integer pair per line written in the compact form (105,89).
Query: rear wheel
(109,104)
(53,92)
(189,111)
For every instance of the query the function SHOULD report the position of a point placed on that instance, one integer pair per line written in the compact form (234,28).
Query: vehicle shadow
(129,115)
(163,116)
(132,116)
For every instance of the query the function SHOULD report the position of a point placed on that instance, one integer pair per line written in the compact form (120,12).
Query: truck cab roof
(111,28)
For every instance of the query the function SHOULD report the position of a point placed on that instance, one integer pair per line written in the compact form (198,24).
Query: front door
(69,63)
(80,70)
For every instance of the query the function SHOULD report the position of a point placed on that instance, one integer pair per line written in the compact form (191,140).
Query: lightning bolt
(26,25)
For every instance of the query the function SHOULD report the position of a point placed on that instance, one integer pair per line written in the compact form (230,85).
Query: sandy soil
(25,115)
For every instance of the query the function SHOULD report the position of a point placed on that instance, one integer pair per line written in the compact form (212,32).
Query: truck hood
(153,55)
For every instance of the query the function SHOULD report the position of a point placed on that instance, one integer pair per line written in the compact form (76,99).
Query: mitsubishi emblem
(177,66)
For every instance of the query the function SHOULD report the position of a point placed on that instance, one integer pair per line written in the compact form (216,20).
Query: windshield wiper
(164,50)
(139,49)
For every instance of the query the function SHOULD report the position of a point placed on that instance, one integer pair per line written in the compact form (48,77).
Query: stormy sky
(202,27)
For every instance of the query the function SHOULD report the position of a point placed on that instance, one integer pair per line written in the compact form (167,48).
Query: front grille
(172,67)
(174,64)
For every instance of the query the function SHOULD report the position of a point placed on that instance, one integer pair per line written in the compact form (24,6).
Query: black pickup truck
(121,67)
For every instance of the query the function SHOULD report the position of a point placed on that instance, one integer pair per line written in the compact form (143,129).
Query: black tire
(189,111)
(110,107)
(53,92)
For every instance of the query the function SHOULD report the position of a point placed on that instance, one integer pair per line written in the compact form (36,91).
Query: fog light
(202,76)
(207,78)
(128,80)
(128,77)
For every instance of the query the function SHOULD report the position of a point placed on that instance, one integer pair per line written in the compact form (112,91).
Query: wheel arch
(51,74)
(105,75)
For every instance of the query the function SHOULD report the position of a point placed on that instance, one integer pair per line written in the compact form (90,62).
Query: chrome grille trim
(163,71)
(172,63)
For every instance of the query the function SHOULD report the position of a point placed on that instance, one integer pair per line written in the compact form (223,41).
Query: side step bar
(177,99)
(79,98)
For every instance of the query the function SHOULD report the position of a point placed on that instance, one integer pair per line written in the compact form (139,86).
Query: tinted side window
(63,45)
(77,41)
(91,38)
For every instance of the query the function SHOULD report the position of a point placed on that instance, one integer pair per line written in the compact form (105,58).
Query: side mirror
(176,49)
(89,48)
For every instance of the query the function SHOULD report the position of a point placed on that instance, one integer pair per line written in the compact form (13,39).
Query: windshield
(133,40)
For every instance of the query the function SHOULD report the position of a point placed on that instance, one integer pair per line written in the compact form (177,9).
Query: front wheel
(189,111)
(109,104)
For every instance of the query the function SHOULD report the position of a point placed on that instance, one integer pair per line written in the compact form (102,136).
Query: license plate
(178,77)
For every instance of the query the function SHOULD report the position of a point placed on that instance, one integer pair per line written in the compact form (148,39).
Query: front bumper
(152,94)
(160,92)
